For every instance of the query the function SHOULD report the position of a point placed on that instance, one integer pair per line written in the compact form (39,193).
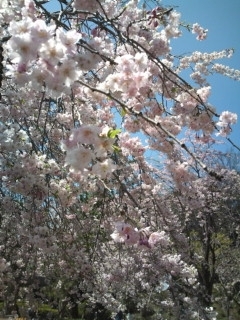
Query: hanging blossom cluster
(132,74)
(43,55)
(201,33)
(227,71)
(203,58)
(88,149)
(203,65)
(226,120)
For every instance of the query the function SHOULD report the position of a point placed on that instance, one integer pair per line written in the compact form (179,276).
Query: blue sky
(222,19)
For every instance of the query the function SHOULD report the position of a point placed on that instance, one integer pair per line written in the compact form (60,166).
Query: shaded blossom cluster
(125,233)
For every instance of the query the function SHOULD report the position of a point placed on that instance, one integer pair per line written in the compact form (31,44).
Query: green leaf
(113,133)
(116,148)
(123,112)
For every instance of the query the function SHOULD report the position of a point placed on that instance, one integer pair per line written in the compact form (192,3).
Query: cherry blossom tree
(88,93)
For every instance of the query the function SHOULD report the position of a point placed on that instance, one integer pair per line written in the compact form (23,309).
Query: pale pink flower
(79,158)
(38,77)
(105,131)
(86,134)
(22,48)
(204,93)
(68,72)
(158,237)
(104,168)
(141,60)
(68,39)
(20,27)
(52,51)
(125,63)
(159,46)
(29,10)
(187,101)
(201,33)
(227,117)
(113,83)
(40,32)
(104,146)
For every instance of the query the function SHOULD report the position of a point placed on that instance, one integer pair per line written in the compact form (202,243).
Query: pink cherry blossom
(125,233)
(201,33)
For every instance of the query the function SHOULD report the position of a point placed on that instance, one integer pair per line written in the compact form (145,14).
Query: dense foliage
(113,198)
